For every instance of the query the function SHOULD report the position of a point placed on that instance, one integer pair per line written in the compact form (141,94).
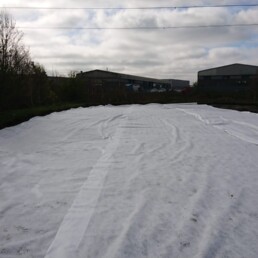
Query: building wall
(129,82)
(232,78)
(178,84)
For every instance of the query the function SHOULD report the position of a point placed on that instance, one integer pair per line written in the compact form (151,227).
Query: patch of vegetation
(238,107)
(14,117)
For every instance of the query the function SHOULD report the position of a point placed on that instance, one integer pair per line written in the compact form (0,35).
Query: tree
(22,82)
(14,57)
(72,74)
(14,60)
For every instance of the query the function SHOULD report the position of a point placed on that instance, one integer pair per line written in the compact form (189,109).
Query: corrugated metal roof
(97,72)
(232,69)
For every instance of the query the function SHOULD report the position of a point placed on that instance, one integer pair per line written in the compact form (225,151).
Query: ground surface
(131,181)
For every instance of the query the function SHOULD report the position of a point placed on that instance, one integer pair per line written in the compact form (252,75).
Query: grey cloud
(177,53)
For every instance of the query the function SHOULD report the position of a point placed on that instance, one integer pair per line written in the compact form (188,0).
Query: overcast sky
(166,53)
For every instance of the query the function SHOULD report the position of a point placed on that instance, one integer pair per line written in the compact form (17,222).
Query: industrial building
(112,80)
(178,85)
(231,78)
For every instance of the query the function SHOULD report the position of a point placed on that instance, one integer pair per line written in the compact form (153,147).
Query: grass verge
(14,117)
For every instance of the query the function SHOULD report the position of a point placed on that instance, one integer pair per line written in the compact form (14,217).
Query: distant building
(111,80)
(229,78)
(178,85)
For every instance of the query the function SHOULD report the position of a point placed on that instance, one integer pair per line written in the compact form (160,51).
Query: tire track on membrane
(194,237)
(243,131)
(76,221)
(156,183)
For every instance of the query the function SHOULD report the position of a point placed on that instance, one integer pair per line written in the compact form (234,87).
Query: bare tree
(14,57)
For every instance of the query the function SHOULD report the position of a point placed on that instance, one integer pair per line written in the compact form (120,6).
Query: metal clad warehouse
(110,80)
(229,78)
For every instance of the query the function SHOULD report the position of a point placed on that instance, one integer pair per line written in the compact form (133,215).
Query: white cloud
(172,53)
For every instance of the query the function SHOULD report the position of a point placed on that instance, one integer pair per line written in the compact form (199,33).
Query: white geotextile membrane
(153,180)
